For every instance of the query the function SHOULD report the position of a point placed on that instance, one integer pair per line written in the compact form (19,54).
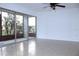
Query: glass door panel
(32,27)
(19,26)
(8,26)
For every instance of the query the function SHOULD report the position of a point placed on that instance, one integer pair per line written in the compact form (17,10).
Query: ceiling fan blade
(61,6)
(46,6)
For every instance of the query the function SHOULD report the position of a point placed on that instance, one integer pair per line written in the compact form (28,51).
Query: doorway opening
(32,24)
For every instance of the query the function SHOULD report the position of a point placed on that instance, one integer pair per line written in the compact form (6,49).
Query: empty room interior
(39,29)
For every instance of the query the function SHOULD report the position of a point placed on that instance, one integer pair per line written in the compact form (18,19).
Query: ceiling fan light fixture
(54,5)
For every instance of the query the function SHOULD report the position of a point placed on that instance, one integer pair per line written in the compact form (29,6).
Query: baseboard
(60,39)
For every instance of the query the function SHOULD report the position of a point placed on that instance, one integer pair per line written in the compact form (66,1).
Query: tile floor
(41,47)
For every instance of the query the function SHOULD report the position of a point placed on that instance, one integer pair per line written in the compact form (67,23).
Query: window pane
(19,26)
(32,26)
(31,23)
(8,24)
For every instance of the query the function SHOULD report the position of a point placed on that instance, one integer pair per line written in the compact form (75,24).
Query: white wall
(59,25)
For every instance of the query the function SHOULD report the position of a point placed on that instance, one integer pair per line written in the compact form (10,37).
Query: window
(8,24)
(32,24)
(19,26)
(32,27)
(11,23)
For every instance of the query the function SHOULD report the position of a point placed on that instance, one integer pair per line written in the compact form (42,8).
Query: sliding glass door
(8,26)
(11,25)
(19,26)
(32,26)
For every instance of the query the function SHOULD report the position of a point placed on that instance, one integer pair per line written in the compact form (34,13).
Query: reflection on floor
(41,47)
(11,41)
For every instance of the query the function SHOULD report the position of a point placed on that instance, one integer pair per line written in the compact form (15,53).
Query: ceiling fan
(54,5)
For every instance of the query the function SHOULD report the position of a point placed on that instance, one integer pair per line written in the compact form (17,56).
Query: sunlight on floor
(21,48)
(4,51)
(31,48)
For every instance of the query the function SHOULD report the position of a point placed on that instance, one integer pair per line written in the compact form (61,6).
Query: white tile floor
(41,47)
(2,43)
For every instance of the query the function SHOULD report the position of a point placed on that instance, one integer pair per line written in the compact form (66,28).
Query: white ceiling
(39,7)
